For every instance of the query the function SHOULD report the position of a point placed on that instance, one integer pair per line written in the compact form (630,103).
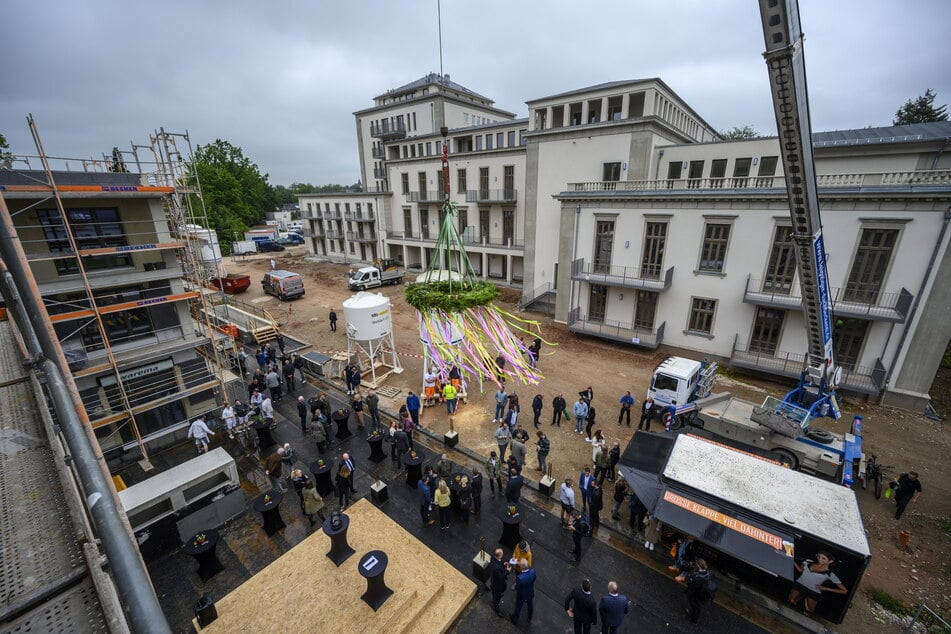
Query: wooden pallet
(264,333)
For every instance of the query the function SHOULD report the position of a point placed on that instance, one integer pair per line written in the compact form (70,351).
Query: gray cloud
(282,80)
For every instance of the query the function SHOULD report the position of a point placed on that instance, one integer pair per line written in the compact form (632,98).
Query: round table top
(273,500)
(375,437)
(511,519)
(344,523)
(373,564)
(408,459)
(340,414)
(261,424)
(201,542)
(317,469)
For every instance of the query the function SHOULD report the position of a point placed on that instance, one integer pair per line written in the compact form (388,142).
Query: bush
(889,602)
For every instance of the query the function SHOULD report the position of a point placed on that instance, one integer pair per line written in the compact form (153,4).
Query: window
(461,181)
(465,117)
(741,172)
(767,328)
(463,219)
(717,172)
(508,226)
(767,165)
(97,227)
(499,139)
(597,302)
(429,148)
(484,224)
(848,336)
(408,222)
(674,170)
(421,180)
(488,141)
(522,139)
(694,174)
(424,223)
(369,208)
(655,239)
(603,246)
(781,267)
(645,309)
(716,236)
(701,315)
(483,183)
(508,182)
(346,207)
(405,180)
(478,142)
(352,251)
(870,265)
(611,172)
(511,139)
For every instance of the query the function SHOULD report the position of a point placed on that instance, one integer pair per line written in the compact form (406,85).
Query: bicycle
(876,473)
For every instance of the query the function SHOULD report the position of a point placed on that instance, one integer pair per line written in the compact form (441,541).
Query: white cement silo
(369,326)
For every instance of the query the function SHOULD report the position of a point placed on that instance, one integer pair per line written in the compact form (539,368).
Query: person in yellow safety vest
(450,392)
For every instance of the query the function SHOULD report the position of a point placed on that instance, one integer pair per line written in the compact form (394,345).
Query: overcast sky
(281,80)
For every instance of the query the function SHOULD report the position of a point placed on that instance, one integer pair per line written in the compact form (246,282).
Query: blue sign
(825,306)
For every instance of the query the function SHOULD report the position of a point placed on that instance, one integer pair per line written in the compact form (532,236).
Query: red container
(232,284)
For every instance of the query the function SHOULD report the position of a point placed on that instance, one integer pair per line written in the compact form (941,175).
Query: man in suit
(584,487)
(612,609)
(498,574)
(581,608)
(513,488)
(345,459)
(524,591)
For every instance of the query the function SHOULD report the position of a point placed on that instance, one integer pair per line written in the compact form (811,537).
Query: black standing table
(342,418)
(511,535)
(339,548)
(322,478)
(201,546)
(414,467)
(372,567)
(265,439)
(269,506)
(455,485)
(375,441)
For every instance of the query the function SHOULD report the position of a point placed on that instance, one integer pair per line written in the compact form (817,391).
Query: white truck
(244,247)
(371,277)
(681,389)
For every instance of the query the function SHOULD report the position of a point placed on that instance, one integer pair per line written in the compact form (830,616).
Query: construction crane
(815,393)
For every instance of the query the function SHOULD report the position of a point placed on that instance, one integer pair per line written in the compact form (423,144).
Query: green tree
(921,110)
(235,193)
(6,158)
(737,132)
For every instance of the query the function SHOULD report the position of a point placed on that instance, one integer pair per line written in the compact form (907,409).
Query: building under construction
(121,258)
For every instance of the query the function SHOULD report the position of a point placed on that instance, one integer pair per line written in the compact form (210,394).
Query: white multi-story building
(623,210)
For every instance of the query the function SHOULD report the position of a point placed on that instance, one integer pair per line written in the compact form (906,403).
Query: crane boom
(787,73)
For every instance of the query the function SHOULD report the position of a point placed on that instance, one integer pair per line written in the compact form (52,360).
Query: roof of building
(596,87)
(429,80)
(884,134)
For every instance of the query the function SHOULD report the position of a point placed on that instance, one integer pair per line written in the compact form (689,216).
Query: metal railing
(855,300)
(491,195)
(377,152)
(863,379)
(388,131)
(424,197)
(355,236)
(379,172)
(615,330)
(632,277)
(334,235)
(363,216)
(923,178)
(537,293)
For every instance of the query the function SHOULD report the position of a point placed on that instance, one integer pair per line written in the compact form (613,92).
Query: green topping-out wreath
(450,297)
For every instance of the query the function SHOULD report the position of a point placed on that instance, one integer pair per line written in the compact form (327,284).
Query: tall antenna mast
(439,18)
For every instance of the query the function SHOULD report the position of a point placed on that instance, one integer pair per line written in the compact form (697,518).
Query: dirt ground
(904,440)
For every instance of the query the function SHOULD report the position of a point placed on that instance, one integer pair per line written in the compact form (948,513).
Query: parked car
(283,284)
(291,240)
(267,246)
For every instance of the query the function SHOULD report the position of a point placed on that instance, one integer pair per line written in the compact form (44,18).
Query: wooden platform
(302,591)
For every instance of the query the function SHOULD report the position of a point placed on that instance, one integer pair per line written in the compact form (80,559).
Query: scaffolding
(114,319)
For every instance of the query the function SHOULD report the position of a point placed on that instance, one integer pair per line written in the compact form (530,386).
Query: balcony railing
(852,301)
(363,216)
(424,197)
(491,195)
(354,236)
(334,235)
(862,379)
(377,152)
(648,278)
(924,178)
(615,330)
(331,215)
(379,172)
(388,131)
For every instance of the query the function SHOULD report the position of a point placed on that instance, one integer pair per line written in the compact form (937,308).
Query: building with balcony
(621,210)
(118,303)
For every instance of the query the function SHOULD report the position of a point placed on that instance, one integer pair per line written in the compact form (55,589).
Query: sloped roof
(884,134)
(604,86)
(429,80)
